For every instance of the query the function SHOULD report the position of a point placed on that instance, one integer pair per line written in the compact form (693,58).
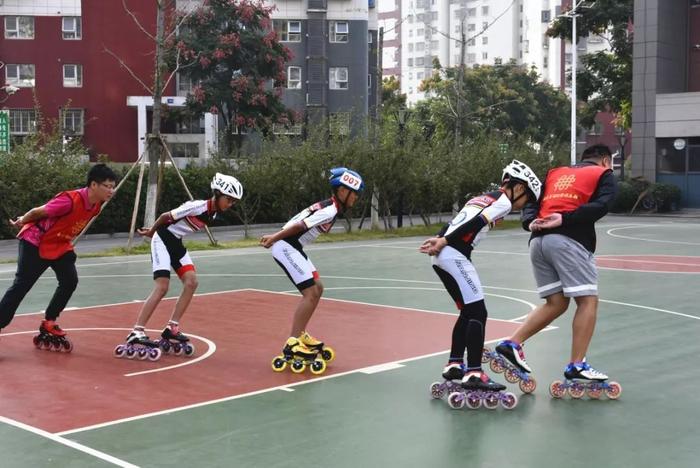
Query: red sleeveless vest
(567,188)
(58,239)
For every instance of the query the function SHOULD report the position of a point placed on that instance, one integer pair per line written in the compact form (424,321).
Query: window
(72,76)
(280,129)
(288,31)
(546,16)
(595,39)
(470,42)
(22,121)
(185,85)
(471,27)
(338,78)
(410,62)
(420,46)
(484,55)
(369,80)
(420,32)
(484,10)
(484,40)
(20,75)
(471,12)
(471,58)
(72,27)
(339,31)
(485,25)
(184,150)
(498,61)
(433,15)
(339,123)
(293,77)
(545,42)
(369,37)
(420,61)
(19,27)
(72,121)
(420,75)
(190,125)
(434,45)
(410,47)
(545,62)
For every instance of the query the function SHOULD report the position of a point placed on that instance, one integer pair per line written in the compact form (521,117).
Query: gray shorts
(562,264)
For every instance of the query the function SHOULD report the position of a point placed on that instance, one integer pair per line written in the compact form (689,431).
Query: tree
(604,83)
(237,55)
(507,99)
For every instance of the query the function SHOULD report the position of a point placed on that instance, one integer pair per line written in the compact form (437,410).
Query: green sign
(5,130)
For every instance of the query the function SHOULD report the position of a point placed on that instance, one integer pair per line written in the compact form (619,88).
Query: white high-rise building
(494,32)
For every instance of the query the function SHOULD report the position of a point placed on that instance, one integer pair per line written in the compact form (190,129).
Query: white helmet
(227,185)
(521,171)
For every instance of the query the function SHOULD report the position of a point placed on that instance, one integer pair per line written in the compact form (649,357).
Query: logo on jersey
(565,182)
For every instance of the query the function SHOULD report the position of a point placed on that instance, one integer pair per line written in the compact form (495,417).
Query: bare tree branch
(128,69)
(133,17)
(177,26)
(178,67)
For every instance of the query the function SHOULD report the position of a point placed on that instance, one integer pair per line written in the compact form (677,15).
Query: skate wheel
(56,346)
(577,390)
(557,389)
(119,351)
(491,401)
(613,391)
(594,393)
(437,390)
(154,354)
(67,346)
(298,367)
(317,367)
(496,366)
(509,401)
(528,386)
(130,353)
(473,400)
(328,354)
(189,350)
(456,400)
(485,355)
(279,364)
(511,375)
(165,346)
(178,349)
(142,354)
(37,342)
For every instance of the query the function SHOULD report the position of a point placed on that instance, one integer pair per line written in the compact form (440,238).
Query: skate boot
(298,357)
(513,374)
(173,340)
(138,345)
(52,337)
(453,374)
(581,378)
(478,388)
(327,353)
(514,354)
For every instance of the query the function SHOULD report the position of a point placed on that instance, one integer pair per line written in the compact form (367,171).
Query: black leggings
(30,266)
(469,332)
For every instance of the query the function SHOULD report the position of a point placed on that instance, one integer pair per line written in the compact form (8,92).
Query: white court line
(285,388)
(663,241)
(294,292)
(211,350)
(68,443)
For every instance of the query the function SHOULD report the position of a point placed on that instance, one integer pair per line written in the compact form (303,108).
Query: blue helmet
(342,176)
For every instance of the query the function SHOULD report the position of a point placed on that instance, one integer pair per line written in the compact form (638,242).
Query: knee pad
(474,311)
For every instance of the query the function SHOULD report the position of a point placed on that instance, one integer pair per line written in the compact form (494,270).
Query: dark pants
(29,268)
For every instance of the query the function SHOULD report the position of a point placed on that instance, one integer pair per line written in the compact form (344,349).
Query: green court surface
(380,414)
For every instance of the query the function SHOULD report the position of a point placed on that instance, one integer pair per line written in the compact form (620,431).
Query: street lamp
(401,117)
(573,14)
(622,138)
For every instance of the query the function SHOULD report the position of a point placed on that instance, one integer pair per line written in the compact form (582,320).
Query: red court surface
(59,392)
(652,263)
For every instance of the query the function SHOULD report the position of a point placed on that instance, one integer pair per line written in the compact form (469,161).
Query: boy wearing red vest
(561,250)
(45,240)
